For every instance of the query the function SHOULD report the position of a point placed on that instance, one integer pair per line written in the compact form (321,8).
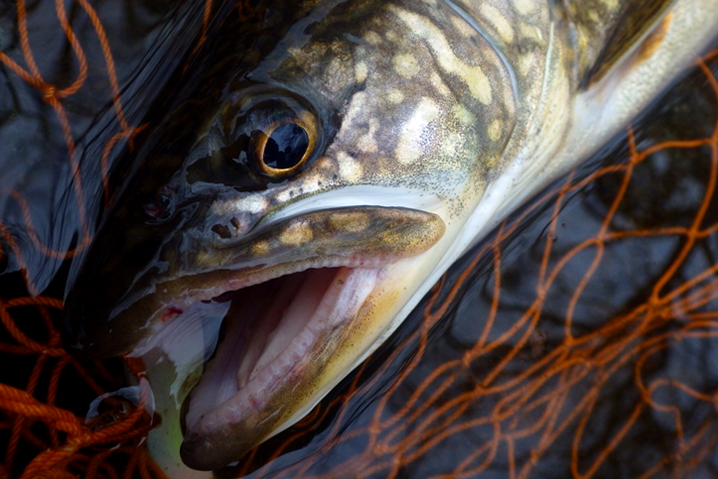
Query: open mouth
(274,333)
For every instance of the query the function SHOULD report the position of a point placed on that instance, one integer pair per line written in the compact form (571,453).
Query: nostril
(236,223)
(161,206)
(222,231)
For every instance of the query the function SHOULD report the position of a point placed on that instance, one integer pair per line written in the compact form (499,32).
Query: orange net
(512,366)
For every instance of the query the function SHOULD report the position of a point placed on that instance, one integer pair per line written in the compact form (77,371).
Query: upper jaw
(352,237)
(189,270)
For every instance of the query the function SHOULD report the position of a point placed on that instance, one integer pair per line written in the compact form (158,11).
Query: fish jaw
(220,425)
(306,299)
(352,237)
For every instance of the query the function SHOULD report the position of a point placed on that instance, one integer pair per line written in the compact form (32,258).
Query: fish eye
(261,135)
(283,149)
(284,132)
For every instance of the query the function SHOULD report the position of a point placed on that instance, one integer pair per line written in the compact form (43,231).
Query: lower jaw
(277,337)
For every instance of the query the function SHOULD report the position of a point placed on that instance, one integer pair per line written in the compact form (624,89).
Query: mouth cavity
(270,329)
(274,335)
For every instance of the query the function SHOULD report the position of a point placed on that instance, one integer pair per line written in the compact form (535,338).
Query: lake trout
(353,150)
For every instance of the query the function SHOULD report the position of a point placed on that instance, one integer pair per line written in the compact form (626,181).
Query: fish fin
(607,31)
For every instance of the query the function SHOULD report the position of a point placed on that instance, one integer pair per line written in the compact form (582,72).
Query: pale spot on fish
(409,147)
(464,115)
(361,71)
(451,145)
(525,7)
(295,52)
(499,22)
(492,161)
(372,38)
(473,76)
(439,85)
(367,143)
(406,65)
(356,110)
(462,27)
(352,222)
(494,130)
(530,32)
(261,248)
(285,195)
(395,96)
(297,234)
(349,168)
(312,182)
(583,39)
(526,64)
(250,204)
(340,74)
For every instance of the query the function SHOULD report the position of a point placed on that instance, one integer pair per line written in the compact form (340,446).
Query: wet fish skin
(461,109)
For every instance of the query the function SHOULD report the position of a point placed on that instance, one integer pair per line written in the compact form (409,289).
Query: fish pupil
(286,146)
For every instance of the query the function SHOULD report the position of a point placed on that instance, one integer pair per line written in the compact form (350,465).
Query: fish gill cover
(579,339)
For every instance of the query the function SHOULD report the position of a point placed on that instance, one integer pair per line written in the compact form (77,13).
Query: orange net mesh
(516,379)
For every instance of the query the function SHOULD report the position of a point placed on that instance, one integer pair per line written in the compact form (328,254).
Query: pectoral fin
(607,31)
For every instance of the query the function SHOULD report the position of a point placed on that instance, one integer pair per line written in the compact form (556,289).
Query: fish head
(317,204)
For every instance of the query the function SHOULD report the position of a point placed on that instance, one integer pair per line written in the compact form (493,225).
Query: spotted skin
(387,111)
(428,122)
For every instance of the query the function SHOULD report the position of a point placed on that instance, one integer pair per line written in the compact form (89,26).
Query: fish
(264,246)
